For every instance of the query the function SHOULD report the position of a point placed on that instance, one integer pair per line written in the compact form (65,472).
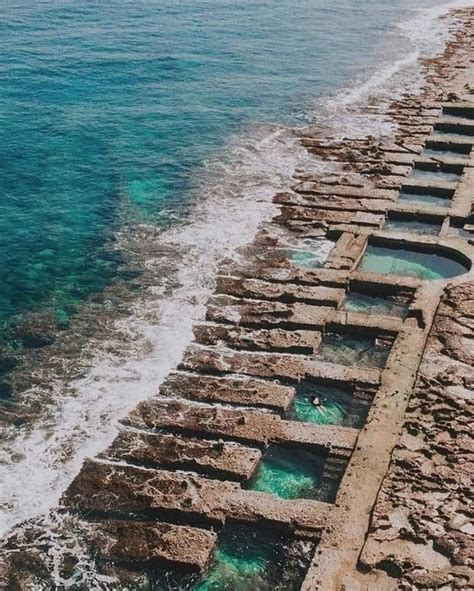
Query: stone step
(333,472)
(430,186)
(397,157)
(450,142)
(106,488)
(276,339)
(447,161)
(460,109)
(160,450)
(410,131)
(348,250)
(416,120)
(320,277)
(241,425)
(420,210)
(241,390)
(148,543)
(458,125)
(321,217)
(287,292)
(368,280)
(268,365)
(364,192)
(463,197)
(374,323)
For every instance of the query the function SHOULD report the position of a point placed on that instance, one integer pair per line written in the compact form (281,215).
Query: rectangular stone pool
(289,473)
(423,198)
(411,226)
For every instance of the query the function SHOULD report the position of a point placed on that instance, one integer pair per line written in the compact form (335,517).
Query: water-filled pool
(445,153)
(386,305)
(245,558)
(327,405)
(289,473)
(311,257)
(386,260)
(250,559)
(435,175)
(425,199)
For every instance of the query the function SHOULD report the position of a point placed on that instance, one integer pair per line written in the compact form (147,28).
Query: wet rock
(432,468)
(219,458)
(151,543)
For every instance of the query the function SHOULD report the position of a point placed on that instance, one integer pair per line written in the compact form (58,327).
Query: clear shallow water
(412,226)
(134,131)
(411,263)
(433,153)
(425,199)
(435,176)
(246,560)
(354,350)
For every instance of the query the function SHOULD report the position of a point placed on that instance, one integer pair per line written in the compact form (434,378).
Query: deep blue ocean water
(108,109)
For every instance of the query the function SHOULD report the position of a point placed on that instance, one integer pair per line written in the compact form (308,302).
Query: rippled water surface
(107,108)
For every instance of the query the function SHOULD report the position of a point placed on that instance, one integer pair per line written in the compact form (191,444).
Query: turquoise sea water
(109,109)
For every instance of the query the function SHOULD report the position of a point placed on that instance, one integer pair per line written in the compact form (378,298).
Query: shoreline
(237,383)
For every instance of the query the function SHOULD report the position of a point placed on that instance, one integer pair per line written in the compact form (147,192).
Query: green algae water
(245,560)
(289,473)
(410,263)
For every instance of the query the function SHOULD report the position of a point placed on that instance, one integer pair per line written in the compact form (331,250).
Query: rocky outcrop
(421,532)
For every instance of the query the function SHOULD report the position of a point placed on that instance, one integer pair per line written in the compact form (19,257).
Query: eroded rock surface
(422,528)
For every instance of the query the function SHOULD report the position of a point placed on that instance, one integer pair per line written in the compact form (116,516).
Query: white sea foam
(236,197)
